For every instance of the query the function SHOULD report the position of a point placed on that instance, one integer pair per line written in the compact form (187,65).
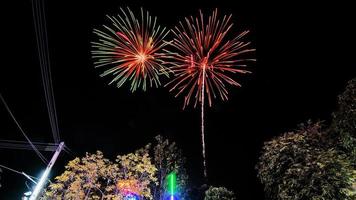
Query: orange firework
(130,49)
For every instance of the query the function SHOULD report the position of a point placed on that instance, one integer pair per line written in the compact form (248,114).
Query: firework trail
(202,125)
(204,61)
(130,49)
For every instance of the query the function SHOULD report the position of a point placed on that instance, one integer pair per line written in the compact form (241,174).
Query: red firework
(205,59)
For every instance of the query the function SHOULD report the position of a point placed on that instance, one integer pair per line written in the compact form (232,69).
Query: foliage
(95,177)
(345,117)
(82,177)
(344,121)
(219,193)
(138,166)
(143,172)
(167,158)
(302,165)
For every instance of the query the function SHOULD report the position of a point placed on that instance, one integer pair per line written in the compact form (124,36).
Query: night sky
(305,55)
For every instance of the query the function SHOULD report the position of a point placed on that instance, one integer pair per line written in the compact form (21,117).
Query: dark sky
(304,56)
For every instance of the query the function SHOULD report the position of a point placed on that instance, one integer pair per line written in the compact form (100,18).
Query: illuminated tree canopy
(142,173)
(95,177)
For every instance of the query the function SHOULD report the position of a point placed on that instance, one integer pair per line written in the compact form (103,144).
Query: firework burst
(204,59)
(130,49)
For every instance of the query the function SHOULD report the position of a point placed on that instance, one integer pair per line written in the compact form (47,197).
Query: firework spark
(130,50)
(204,60)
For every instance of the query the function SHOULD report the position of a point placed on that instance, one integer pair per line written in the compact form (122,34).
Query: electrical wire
(16,171)
(39,18)
(44,160)
(10,169)
(23,145)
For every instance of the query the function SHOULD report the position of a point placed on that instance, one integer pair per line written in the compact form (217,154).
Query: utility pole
(43,179)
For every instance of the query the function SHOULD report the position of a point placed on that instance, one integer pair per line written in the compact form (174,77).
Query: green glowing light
(172,183)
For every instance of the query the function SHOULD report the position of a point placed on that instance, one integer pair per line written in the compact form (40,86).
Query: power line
(23,145)
(41,146)
(20,141)
(22,131)
(10,169)
(31,178)
(18,172)
(50,76)
(39,18)
(42,43)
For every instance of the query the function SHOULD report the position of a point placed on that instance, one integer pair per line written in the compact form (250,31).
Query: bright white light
(44,176)
(39,185)
(141,57)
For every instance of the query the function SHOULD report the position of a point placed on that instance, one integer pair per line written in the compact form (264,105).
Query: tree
(304,165)
(82,178)
(219,193)
(169,158)
(143,172)
(95,177)
(138,166)
(343,126)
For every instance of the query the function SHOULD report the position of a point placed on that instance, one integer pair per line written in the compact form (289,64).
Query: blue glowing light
(171,197)
(131,197)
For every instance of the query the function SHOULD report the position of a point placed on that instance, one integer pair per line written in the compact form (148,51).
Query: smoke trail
(202,123)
